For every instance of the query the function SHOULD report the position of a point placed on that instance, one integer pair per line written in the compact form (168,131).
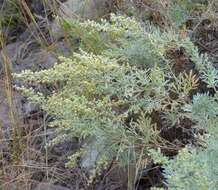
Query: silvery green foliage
(195,168)
(178,13)
(185,172)
(203,109)
(181,11)
(122,71)
(210,76)
(95,95)
(208,73)
(142,45)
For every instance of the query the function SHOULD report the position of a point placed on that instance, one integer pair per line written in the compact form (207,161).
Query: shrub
(193,168)
(108,91)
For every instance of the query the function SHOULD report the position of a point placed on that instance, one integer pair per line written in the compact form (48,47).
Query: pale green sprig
(34,97)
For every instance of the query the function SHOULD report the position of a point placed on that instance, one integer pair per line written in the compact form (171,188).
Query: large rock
(11,51)
(89,159)
(10,117)
(40,59)
(22,56)
(48,186)
(90,156)
(86,9)
(26,55)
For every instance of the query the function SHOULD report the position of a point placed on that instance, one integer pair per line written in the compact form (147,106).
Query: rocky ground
(37,46)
